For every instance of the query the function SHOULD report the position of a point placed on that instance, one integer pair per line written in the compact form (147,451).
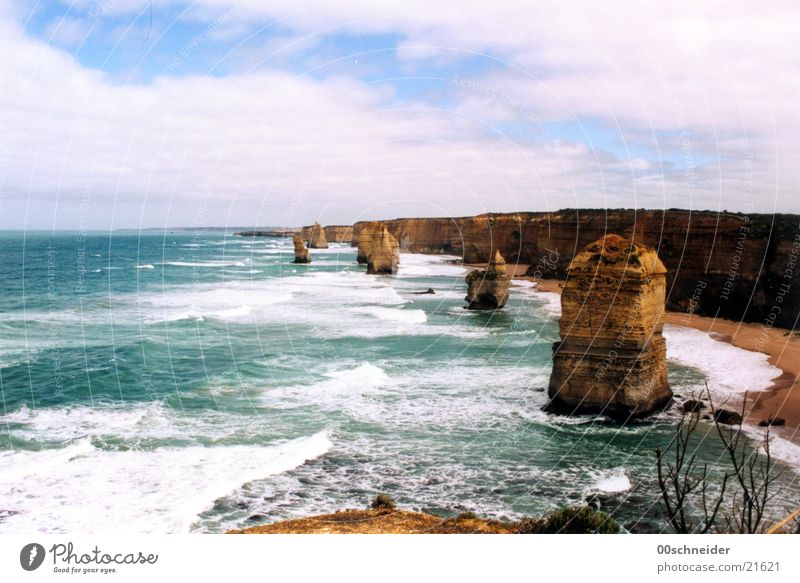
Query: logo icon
(31,556)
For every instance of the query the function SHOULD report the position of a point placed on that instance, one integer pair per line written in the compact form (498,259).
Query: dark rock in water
(254,517)
(727,417)
(422,293)
(772,421)
(593,502)
(707,417)
(693,406)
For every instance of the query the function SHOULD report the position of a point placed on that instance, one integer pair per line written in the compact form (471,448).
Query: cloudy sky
(130,113)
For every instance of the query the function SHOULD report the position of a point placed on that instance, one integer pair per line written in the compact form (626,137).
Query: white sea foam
(338,390)
(610,481)
(418,265)
(393,314)
(146,266)
(206,263)
(82,488)
(729,369)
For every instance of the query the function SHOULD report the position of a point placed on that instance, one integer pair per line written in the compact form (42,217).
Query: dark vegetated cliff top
(762,223)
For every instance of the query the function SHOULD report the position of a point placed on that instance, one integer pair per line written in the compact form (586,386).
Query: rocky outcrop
(363,240)
(730,265)
(317,239)
(383,255)
(612,356)
(301,254)
(488,288)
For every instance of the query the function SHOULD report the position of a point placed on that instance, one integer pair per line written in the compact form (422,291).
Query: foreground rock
(612,356)
(301,254)
(570,520)
(317,239)
(380,522)
(383,254)
(488,288)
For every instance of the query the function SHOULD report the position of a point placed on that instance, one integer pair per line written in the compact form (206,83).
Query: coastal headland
(724,265)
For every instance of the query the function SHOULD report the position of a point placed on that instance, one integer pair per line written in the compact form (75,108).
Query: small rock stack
(317,239)
(383,254)
(488,288)
(611,358)
(301,254)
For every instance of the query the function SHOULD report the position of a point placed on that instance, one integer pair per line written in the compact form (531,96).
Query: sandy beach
(781,346)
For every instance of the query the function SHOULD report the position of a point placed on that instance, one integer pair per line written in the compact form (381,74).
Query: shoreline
(782,347)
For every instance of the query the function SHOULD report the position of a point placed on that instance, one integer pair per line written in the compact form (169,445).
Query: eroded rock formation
(612,356)
(383,254)
(316,239)
(488,288)
(720,264)
(301,254)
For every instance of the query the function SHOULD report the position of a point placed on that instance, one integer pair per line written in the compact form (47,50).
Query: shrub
(570,520)
(383,502)
(467,516)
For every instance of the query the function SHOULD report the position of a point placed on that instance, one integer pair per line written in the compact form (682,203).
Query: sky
(131,113)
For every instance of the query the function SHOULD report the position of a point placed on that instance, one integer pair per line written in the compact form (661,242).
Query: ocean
(198,382)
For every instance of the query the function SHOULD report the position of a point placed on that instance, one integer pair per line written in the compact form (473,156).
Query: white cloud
(273,147)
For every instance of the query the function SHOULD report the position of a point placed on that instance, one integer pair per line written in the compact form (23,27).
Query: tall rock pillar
(383,254)
(317,239)
(301,254)
(611,357)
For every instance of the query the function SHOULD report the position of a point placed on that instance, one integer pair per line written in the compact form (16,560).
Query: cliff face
(334,233)
(612,356)
(487,289)
(732,266)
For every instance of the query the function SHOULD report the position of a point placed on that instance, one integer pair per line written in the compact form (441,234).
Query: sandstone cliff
(487,289)
(301,254)
(729,265)
(383,255)
(334,233)
(612,357)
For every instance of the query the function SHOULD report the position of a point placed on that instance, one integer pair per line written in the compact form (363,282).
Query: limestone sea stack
(363,239)
(488,288)
(383,254)
(317,239)
(301,254)
(611,357)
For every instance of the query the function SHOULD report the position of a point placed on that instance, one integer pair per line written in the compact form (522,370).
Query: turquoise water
(199,382)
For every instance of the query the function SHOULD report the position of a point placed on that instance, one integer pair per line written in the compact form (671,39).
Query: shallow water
(180,382)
